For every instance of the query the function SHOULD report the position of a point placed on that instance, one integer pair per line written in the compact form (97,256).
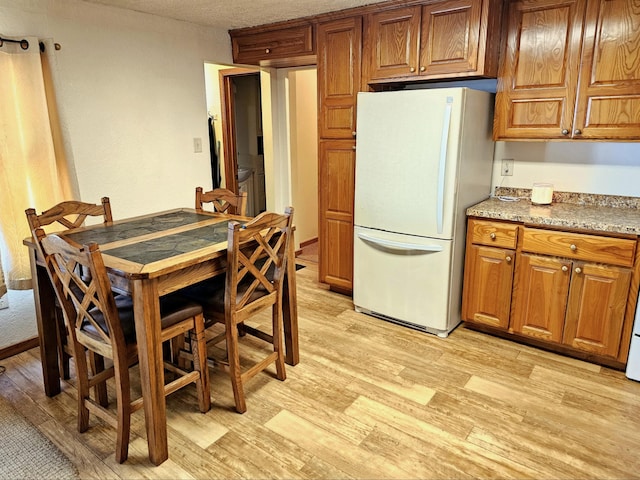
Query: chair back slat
(70,214)
(222,201)
(82,286)
(256,258)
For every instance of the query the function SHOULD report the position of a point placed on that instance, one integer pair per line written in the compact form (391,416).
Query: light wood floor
(370,399)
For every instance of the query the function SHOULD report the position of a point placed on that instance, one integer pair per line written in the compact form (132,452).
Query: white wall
(591,167)
(131,92)
(303,92)
(609,168)
(132,95)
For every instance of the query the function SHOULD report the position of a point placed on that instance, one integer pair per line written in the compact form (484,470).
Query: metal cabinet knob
(573,247)
(577,132)
(267,50)
(578,270)
(492,236)
(508,259)
(423,68)
(354,147)
(412,69)
(565,268)
(353,134)
(565,132)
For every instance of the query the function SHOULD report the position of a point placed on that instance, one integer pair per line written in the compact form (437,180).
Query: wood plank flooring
(371,399)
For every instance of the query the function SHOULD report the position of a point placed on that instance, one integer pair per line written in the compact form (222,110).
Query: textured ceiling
(231,14)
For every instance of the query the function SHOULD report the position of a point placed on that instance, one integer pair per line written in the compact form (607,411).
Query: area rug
(26,453)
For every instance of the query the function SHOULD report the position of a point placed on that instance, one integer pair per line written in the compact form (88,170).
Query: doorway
(288,125)
(241,106)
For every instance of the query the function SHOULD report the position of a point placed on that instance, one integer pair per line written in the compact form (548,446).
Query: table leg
(44,299)
(290,307)
(146,307)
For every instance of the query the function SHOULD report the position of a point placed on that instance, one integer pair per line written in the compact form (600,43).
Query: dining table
(147,257)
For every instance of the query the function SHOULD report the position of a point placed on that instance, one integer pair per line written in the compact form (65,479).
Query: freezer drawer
(404,278)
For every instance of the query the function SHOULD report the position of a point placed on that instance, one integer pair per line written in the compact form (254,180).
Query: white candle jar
(542,193)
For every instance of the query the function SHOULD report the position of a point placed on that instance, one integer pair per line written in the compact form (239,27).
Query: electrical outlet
(507,167)
(197,145)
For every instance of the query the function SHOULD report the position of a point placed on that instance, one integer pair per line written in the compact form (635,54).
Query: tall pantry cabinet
(339,76)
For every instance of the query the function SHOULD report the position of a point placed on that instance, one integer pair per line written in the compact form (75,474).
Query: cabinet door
(488,278)
(269,48)
(609,90)
(539,70)
(392,43)
(336,186)
(540,296)
(596,308)
(450,37)
(339,57)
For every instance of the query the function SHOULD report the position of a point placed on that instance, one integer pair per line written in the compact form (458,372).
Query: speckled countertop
(605,213)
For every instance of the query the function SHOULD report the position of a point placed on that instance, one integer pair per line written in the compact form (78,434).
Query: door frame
(228,111)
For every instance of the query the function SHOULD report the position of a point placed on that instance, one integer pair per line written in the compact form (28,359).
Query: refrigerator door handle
(400,245)
(444,143)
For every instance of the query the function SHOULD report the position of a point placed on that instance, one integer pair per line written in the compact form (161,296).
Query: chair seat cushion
(210,293)
(173,309)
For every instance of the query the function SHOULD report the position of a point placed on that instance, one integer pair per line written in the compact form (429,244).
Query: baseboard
(306,243)
(17,348)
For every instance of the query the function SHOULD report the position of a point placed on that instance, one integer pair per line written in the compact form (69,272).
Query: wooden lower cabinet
(490,270)
(579,302)
(596,308)
(540,297)
(336,177)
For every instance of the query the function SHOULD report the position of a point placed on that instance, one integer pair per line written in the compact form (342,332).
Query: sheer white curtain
(30,173)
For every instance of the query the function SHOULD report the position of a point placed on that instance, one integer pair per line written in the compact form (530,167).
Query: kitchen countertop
(604,213)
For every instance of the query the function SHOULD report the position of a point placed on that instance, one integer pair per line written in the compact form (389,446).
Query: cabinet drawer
(495,234)
(591,248)
(262,47)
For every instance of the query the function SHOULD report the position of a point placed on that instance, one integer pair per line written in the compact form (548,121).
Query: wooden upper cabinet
(454,38)
(442,39)
(570,69)
(608,103)
(392,41)
(292,46)
(539,71)
(339,65)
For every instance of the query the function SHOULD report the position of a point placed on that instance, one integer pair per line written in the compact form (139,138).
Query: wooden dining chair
(256,265)
(223,201)
(103,324)
(68,214)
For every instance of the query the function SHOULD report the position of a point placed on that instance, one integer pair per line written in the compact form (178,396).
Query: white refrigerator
(422,157)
